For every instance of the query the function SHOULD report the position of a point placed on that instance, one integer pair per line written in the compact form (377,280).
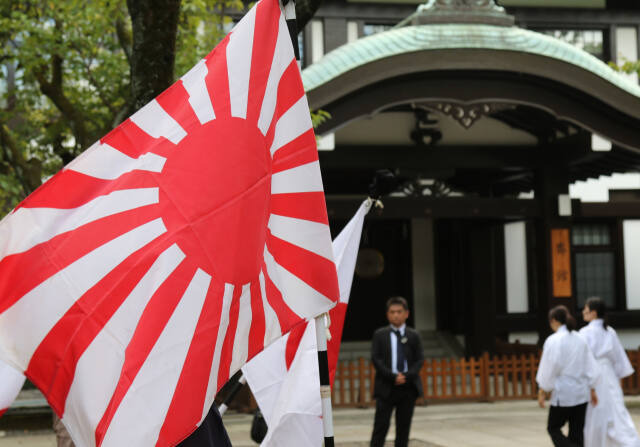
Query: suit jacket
(381,357)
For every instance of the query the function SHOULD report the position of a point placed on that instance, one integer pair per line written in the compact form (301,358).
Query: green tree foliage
(319,116)
(627,67)
(66,75)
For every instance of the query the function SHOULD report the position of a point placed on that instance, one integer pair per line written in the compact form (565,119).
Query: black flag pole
(290,16)
(237,386)
(325,384)
(321,325)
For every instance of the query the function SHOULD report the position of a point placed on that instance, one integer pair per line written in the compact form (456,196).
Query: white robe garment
(608,424)
(567,369)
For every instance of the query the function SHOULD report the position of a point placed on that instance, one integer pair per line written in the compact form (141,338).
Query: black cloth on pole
(211,432)
(259,427)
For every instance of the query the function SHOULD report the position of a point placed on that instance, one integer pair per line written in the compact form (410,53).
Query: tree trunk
(155,26)
(28,172)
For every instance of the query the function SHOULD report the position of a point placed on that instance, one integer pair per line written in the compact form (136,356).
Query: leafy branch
(628,67)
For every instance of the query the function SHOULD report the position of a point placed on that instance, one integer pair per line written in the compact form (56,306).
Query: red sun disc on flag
(218,200)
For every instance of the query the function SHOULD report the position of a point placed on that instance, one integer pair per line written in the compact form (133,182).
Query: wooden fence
(485,378)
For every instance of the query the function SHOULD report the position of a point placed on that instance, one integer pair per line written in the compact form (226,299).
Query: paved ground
(498,424)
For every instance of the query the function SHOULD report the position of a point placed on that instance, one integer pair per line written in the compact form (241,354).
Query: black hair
(596,304)
(397,300)
(562,315)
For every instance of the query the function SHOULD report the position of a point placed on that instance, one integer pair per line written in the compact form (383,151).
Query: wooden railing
(631,384)
(486,378)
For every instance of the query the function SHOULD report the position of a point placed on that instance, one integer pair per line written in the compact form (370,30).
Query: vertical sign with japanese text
(561,262)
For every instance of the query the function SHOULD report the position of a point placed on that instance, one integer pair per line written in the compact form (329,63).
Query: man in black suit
(396,352)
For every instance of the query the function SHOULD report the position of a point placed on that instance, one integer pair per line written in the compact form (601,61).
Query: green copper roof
(410,39)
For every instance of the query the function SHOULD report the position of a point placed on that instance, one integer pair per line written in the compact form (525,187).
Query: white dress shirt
(567,368)
(394,352)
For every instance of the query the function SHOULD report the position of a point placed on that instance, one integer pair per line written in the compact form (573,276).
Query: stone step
(29,401)
(434,345)
(30,411)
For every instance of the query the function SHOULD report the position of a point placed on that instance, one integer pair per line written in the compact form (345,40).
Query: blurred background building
(516,149)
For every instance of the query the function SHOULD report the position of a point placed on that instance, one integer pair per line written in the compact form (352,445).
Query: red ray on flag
(137,280)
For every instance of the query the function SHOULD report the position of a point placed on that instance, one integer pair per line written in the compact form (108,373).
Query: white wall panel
(515,252)
(352,31)
(627,46)
(317,41)
(631,238)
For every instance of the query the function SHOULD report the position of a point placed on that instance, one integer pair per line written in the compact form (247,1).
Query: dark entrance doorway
(470,279)
(383,270)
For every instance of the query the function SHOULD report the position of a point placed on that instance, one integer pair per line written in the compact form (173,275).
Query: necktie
(400,359)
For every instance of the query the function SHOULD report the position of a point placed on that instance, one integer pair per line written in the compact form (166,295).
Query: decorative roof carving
(452,5)
(462,11)
(425,132)
(466,114)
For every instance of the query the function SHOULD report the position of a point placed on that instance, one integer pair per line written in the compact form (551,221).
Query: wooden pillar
(552,246)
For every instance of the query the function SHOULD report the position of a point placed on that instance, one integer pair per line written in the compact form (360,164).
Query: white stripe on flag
(303,233)
(293,123)
(282,58)
(155,121)
(304,178)
(265,374)
(27,227)
(99,368)
(301,298)
(160,371)
(215,364)
(272,324)
(42,307)
(196,86)
(241,339)
(239,52)
(104,162)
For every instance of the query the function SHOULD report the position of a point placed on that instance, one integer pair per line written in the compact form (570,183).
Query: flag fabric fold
(138,279)
(284,378)
(11,382)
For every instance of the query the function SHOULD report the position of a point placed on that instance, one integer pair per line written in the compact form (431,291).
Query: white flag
(284,378)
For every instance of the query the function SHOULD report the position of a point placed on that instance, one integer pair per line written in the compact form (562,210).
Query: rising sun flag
(138,279)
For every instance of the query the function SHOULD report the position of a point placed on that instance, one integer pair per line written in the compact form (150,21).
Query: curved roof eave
(547,56)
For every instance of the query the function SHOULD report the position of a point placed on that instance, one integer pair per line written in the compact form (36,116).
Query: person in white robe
(567,375)
(608,424)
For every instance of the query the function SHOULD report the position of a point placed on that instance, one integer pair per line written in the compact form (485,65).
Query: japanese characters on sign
(561,262)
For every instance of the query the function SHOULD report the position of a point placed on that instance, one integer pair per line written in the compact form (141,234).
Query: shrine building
(516,148)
